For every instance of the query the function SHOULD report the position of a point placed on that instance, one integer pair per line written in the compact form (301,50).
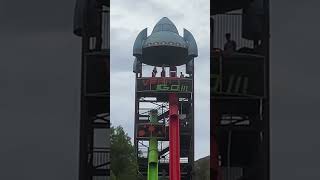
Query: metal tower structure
(91,23)
(240,90)
(169,95)
(147,99)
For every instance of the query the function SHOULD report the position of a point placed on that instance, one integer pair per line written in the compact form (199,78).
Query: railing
(231,173)
(162,112)
(101,178)
(106,28)
(101,158)
(229,23)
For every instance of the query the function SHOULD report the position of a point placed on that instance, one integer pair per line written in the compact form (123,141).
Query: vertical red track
(174,137)
(216,173)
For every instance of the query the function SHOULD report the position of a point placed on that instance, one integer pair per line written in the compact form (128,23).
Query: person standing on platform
(230,46)
(154,72)
(173,71)
(181,75)
(163,72)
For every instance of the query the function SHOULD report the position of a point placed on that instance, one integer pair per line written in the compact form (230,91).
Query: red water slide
(174,137)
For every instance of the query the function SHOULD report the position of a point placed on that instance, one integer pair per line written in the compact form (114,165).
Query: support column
(216,173)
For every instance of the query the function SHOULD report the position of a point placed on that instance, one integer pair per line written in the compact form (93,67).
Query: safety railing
(105,31)
(106,27)
(100,158)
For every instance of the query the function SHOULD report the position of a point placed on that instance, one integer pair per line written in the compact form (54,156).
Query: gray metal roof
(165,24)
(165,45)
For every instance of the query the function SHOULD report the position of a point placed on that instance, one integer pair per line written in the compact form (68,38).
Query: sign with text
(151,130)
(234,84)
(167,84)
(245,78)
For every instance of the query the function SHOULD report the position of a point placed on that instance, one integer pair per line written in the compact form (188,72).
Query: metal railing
(106,27)
(231,173)
(101,158)
(105,30)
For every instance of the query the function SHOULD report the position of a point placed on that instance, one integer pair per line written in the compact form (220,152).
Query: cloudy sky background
(127,19)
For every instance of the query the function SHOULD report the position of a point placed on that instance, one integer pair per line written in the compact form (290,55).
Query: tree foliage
(202,169)
(123,159)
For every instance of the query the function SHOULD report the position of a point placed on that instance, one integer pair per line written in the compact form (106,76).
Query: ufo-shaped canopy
(165,46)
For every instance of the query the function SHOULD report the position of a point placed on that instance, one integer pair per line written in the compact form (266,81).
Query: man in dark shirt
(154,72)
(181,75)
(230,46)
(163,72)
(173,71)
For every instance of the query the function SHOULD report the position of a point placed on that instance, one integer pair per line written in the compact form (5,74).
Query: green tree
(123,160)
(202,169)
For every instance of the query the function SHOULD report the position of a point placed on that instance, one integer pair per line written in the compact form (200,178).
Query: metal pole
(83,152)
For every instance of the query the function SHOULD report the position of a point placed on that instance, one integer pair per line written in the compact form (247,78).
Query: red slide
(216,173)
(174,137)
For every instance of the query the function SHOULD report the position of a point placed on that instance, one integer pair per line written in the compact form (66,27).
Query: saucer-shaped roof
(165,33)
(165,24)
(164,38)
(165,46)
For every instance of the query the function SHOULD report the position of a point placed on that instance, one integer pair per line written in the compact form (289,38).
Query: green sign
(229,85)
(155,84)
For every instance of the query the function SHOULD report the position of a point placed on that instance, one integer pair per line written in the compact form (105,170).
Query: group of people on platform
(230,46)
(172,72)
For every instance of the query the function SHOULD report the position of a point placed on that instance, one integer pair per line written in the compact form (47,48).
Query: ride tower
(168,94)
(240,90)
(91,23)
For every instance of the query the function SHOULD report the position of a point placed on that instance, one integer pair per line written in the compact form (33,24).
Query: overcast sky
(40,80)
(126,23)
